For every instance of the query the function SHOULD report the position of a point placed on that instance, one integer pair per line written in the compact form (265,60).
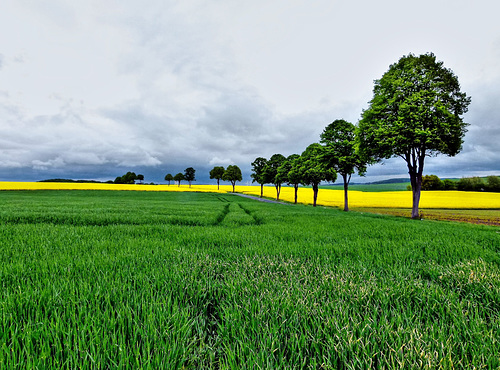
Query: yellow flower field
(392,199)
(326,197)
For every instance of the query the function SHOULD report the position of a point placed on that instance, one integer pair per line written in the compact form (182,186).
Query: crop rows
(98,279)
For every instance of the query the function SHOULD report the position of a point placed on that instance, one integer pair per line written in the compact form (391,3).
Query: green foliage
(432,182)
(310,169)
(283,173)
(415,112)
(178,178)
(189,175)
(341,153)
(169,177)
(271,172)
(340,148)
(449,184)
(470,184)
(232,174)
(216,173)
(493,183)
(100,279)
(128,178)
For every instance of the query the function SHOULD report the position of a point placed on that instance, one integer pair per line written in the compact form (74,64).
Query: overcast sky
(92,89)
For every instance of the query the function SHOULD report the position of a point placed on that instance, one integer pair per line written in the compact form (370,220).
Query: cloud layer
(92,89)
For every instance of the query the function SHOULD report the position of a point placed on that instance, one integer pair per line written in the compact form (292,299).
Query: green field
(400,186)
(98,279)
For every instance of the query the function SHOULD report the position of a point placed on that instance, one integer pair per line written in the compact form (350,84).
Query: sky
(93,89)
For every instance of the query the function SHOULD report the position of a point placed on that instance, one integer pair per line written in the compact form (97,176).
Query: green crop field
(98,279)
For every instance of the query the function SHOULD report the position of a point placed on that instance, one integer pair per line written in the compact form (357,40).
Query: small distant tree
(216,173)
(140,178)
(178,178)
(432,182)
(284,173)
(232,174)
(311,169)
(341,154)
(169,177)
(258,175)
(189,175)
(271,172)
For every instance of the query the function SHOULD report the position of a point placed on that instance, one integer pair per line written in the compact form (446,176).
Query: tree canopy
(283,173)
(271,172)
(178,178)
(232,174)
(258,172)
(128,178)
(415,112)
(169,177)
(340,152)
(310,169)
(216,173)
(189,175)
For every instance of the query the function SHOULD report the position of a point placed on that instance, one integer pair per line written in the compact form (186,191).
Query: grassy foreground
(99,279)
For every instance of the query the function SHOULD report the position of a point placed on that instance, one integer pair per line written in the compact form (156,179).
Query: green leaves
(415,112)
(311,168)
(416,104)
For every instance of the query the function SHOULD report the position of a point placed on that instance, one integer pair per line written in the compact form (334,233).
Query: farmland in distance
(202,280)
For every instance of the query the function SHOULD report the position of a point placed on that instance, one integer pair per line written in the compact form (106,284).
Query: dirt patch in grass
(473,216)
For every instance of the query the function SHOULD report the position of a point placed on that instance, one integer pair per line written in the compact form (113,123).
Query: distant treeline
(78,181)
(489,183)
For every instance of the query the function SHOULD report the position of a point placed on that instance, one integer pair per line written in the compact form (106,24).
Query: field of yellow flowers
(326,197)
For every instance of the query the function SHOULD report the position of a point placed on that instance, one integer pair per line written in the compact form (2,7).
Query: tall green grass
(97,279)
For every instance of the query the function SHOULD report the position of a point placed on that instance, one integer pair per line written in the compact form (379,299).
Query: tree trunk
(261,190)
(218,184)
(233,183)
(415,169)
(315,190)
(346,186)
(416,187)
(278,190)
(296,186)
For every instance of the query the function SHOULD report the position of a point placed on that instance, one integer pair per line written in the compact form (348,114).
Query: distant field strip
(326,197)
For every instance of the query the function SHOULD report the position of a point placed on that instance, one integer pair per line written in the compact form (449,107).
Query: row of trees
(231,173)
(416,112)
(336,155)
(188,175)
(433,182)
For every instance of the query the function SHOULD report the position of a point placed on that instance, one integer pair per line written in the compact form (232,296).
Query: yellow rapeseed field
(326,197)
(389,199)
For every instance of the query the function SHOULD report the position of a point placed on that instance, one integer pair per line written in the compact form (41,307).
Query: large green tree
(216,173)
(341,154)
(271,172)
(284,173)
(258,174)
(232,174)
(311,169)
(416,111)
(189,175)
